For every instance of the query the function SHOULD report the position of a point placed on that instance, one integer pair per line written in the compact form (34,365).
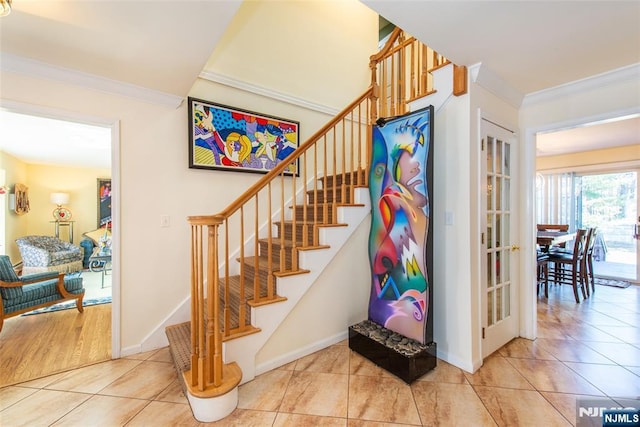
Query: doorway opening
(607,200)
(610,202)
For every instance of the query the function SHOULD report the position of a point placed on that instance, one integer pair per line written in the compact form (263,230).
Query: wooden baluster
(241,319)
(343,185)
(214,340)
(334,180)
(315,194)
(294,243)
(305,218)
(256,290)
(226,327)
(282,218)
(325,212)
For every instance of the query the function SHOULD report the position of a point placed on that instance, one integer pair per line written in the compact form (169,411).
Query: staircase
(253,262)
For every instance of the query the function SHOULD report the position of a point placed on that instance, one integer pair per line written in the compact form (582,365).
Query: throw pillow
(96,235)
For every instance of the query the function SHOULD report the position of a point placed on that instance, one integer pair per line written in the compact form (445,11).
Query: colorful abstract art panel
(223,137)
(400,185)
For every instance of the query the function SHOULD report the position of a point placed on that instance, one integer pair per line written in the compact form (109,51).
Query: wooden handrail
(331,164)
(280,167)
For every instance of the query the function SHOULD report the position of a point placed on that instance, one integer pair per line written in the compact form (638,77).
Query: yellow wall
(42,180)
(589,158)
(15,225)
(152,161)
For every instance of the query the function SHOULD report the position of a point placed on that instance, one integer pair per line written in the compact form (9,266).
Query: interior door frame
(516,283)
(114,125)
(528,300)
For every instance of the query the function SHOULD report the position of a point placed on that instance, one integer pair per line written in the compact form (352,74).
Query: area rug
(612,282)
(69,304)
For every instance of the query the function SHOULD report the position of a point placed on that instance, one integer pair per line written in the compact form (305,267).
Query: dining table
(546,239)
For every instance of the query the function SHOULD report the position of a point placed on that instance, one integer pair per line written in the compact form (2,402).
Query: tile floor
(587,349)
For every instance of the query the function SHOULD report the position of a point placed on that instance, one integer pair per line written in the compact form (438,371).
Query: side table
(100,261)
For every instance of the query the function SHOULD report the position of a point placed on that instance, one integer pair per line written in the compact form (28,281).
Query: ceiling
(163,46)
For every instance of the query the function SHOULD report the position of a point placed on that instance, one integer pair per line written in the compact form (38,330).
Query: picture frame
(104,202)
(228,138)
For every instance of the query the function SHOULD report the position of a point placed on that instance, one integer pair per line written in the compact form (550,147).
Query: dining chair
(569,267)
(592,235)
(543,272)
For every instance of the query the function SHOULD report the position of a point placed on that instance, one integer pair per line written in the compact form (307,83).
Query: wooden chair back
(553,227)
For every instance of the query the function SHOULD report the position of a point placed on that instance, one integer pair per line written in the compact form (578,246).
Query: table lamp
(60,213)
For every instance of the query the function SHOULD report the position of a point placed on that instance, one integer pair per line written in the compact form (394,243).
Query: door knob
(515,248)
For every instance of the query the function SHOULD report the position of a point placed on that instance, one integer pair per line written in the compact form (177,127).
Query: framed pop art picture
(228,138)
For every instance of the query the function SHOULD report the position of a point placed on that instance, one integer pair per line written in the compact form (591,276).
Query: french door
(499,266)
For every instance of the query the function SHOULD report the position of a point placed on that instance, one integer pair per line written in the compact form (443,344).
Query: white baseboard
(299,353)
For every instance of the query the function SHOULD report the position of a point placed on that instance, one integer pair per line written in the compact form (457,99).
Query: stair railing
(237,254)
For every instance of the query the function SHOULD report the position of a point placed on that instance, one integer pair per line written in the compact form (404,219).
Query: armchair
(26,293)
(41,254)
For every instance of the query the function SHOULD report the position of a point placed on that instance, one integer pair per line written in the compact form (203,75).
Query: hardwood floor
(43,344)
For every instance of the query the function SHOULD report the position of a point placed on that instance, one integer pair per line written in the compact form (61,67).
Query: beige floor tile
(92,379)
(634,369)
(571,351)
(331,360)
(551,330)
(445,373)
(565,403)
(173,393)
(141,356)
(145,381)
(519,407)
(360,365)
(297,420)
(245,418)
(525,349)
(289,366)
(613,380)
(161,355)
(456,403)
(103,411)
(45,381)
(10,395)
(314,393)
(381,399)
(164,414)
(265,392)
(549,375)
(622,353)
(498,372)
(42,408)
(584,332)
(364,423)
(628,334)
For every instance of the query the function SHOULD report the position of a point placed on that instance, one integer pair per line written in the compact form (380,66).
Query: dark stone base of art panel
(403,357)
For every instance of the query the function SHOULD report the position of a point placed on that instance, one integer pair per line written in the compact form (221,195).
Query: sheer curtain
(556,198)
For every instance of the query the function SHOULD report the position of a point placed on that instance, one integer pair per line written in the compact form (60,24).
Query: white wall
(602,97)
(153,159)
(337,300)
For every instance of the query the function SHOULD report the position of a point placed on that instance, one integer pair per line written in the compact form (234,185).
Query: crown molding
(630,72)
(485,77)
(21,65)
(266,92)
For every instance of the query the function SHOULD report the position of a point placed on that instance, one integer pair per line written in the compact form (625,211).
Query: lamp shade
(59,199)
(5,7)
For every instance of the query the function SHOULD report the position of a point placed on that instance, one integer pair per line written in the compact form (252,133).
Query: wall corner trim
(266,92)
(630,72)
(21,65)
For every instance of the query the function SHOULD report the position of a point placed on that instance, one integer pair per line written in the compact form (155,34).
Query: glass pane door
(498,300)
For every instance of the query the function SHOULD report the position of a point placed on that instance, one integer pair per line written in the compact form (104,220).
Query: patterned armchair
(42,254)
(26,293)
